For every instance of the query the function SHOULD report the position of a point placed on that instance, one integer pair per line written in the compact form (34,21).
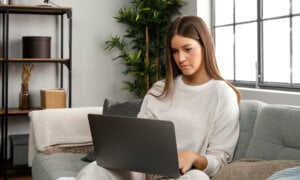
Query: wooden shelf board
(17,111)
(34,9)
(38,59)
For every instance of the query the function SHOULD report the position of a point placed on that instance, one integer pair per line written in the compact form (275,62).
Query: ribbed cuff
(212,165)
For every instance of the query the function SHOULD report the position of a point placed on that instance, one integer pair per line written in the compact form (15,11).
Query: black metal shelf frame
(6,11)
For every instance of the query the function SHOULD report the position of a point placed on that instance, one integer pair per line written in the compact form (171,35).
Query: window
(258,42)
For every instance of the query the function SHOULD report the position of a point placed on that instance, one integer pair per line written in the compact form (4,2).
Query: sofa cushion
(57,165)
(249,110)
(276,134)
(250,169)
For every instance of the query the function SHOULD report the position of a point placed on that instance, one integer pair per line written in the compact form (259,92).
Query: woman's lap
(190,175)
(93,171)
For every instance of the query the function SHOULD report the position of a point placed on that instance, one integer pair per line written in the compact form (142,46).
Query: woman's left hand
(186,160)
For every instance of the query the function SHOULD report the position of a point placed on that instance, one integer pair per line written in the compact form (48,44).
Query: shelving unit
(5,61)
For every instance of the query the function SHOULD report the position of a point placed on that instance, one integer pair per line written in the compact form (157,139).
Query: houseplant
(142,46)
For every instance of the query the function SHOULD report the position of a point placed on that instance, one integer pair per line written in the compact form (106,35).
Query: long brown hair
(192,27)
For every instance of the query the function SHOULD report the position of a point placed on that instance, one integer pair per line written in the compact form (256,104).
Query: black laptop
(135,144)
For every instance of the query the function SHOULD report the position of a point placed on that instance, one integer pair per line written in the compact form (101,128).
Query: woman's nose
(181,56)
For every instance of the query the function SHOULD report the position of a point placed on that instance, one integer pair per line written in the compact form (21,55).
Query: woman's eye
(188,49)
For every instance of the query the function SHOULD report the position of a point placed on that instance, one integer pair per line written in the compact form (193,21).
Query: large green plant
(142,47)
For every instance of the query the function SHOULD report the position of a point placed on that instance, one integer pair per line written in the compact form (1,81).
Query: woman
(202,105)
(194,96)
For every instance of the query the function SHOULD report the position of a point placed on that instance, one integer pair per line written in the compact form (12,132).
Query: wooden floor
(18,174)
(18,178)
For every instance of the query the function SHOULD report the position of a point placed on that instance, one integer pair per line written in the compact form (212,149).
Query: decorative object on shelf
(24,99)
(142,47)
(53,98)
(36,46)
(23,2)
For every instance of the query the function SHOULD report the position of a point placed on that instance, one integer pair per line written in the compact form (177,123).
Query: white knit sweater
(205,118)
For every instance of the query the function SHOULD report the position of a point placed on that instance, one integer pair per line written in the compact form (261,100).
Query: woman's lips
(184,66)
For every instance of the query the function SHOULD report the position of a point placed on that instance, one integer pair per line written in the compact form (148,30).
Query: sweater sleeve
(145,111)
(225,134)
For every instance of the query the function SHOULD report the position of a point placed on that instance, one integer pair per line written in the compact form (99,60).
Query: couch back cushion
(249,110)
(276,134)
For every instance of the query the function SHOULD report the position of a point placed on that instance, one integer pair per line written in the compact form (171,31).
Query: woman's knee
(93,171)
(194,175)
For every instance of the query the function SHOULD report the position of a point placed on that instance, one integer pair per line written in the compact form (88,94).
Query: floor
(18,178)
(18,174)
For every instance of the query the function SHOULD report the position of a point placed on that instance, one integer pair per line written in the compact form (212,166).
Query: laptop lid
(135,144)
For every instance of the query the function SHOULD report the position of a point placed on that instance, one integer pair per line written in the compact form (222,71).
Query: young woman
(201,104)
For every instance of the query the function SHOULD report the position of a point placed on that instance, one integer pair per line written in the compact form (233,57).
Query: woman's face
(187,54)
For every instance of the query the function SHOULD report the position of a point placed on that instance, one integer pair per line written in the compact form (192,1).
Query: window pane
(245,10)
(224,51)
(276,55)
(246,51)
(223,12)
(296,52)
(273,8)
(296,6)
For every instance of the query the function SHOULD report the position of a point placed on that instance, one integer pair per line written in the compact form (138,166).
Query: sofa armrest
(62,127)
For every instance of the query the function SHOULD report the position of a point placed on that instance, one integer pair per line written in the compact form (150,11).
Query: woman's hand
(188,159)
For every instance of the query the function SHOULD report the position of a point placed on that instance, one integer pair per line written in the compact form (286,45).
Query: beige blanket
(62,127)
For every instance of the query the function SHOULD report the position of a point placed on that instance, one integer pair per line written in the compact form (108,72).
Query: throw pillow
(249,169)
(287,174)
(129,108)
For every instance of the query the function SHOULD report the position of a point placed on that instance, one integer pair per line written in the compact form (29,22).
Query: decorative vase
(24,97)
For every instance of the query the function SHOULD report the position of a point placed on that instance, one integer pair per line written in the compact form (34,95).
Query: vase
(24,100)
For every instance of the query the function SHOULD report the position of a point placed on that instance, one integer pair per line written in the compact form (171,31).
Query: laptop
(135,144)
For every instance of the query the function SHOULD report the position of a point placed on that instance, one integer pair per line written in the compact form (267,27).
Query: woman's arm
(222,141)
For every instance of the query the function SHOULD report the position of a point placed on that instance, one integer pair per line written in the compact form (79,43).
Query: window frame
(259,83)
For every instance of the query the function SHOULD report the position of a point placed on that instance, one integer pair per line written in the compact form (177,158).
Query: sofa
(60,143)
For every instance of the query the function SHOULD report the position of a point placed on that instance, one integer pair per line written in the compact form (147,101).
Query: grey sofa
(269,141)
